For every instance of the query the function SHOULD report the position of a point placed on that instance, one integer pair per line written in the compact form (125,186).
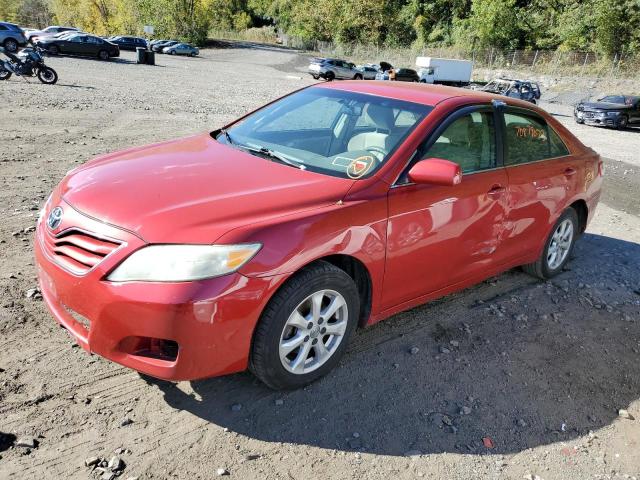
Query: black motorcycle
(28,62)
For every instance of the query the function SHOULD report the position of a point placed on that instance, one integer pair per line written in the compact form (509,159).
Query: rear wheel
(558,248)
(11,45)
(5,75)
(305,328)
(103,55)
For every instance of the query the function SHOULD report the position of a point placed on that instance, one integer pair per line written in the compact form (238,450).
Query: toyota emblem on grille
(54,218)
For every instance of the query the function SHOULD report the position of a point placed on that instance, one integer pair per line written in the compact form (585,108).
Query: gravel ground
(513,378)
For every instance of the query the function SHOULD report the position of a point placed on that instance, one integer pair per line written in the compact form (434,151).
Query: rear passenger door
(541,177)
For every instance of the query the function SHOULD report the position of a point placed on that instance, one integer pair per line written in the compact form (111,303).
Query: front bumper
(599,121)
(211,321)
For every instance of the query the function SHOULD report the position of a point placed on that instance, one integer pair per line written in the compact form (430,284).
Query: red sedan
(264,245)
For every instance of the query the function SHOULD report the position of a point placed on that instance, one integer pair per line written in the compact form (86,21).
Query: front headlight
(182,263)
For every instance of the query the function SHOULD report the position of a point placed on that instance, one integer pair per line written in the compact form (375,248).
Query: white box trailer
(445,71)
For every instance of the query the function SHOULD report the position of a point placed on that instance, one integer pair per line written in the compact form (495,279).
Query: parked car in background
(153,43)
(399,75)
(333,69)
(181,49)
(11,37)
(80,44)
(37,35)
(617,111)
(128,43)
(369,72)
(521,89)
(153,258)
(159,46)
(444,71)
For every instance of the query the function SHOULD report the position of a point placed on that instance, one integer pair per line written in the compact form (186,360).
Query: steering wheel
(377,151)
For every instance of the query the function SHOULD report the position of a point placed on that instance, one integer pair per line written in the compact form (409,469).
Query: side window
(557,148)
(529,139)
(2,27)
(469,141)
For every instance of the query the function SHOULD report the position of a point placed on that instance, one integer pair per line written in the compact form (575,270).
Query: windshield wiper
(226,135)
(267,152)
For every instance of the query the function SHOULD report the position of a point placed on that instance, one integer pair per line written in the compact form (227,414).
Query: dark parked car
(158,47)
(11,37)
(81,44)
(399,75)
(617,111)
(128,43)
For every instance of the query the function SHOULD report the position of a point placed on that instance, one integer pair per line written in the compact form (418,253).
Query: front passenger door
(440,236)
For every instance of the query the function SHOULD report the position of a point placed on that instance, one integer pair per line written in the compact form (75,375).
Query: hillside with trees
(608,27)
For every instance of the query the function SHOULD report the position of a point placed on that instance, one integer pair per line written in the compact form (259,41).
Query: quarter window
(469,141)
(529,139)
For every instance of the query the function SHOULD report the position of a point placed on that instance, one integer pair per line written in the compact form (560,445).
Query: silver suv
(11,37)
(331,69)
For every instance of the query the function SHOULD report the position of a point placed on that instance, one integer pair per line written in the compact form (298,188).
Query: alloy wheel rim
(560,244)
(313,332)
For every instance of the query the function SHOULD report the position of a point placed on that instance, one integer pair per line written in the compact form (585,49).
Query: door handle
(569,171)
(496,191)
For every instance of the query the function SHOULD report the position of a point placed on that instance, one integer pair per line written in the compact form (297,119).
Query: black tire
(623,123)
(5,74)
(265,360)
(47,75)
(53,50)
(172,52)
(540,268)
(330,76)
(103,55)
(315,77)
(357,77)
(10,45)
(579,122)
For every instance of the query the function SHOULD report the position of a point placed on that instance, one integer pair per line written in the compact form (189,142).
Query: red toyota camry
(265,244)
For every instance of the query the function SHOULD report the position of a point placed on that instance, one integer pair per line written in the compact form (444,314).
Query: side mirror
(436,171)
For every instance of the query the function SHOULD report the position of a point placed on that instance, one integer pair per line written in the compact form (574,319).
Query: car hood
(193,190)
(604,106)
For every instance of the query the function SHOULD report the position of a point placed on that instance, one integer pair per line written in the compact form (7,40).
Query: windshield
(344,134)
(620,99)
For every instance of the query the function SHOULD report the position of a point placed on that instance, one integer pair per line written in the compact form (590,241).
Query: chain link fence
(548,62)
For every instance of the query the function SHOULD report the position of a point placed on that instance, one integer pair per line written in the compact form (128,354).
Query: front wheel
(305,328)
(330,76)
(103,55)
(53,50)
(558,248)
(47,75)
(623,122)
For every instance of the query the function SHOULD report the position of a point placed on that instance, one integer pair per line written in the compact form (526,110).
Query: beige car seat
(383,120)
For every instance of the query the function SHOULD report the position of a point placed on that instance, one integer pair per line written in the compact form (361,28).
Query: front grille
(79,251)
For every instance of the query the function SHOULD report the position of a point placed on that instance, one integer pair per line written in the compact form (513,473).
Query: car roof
(425,94)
